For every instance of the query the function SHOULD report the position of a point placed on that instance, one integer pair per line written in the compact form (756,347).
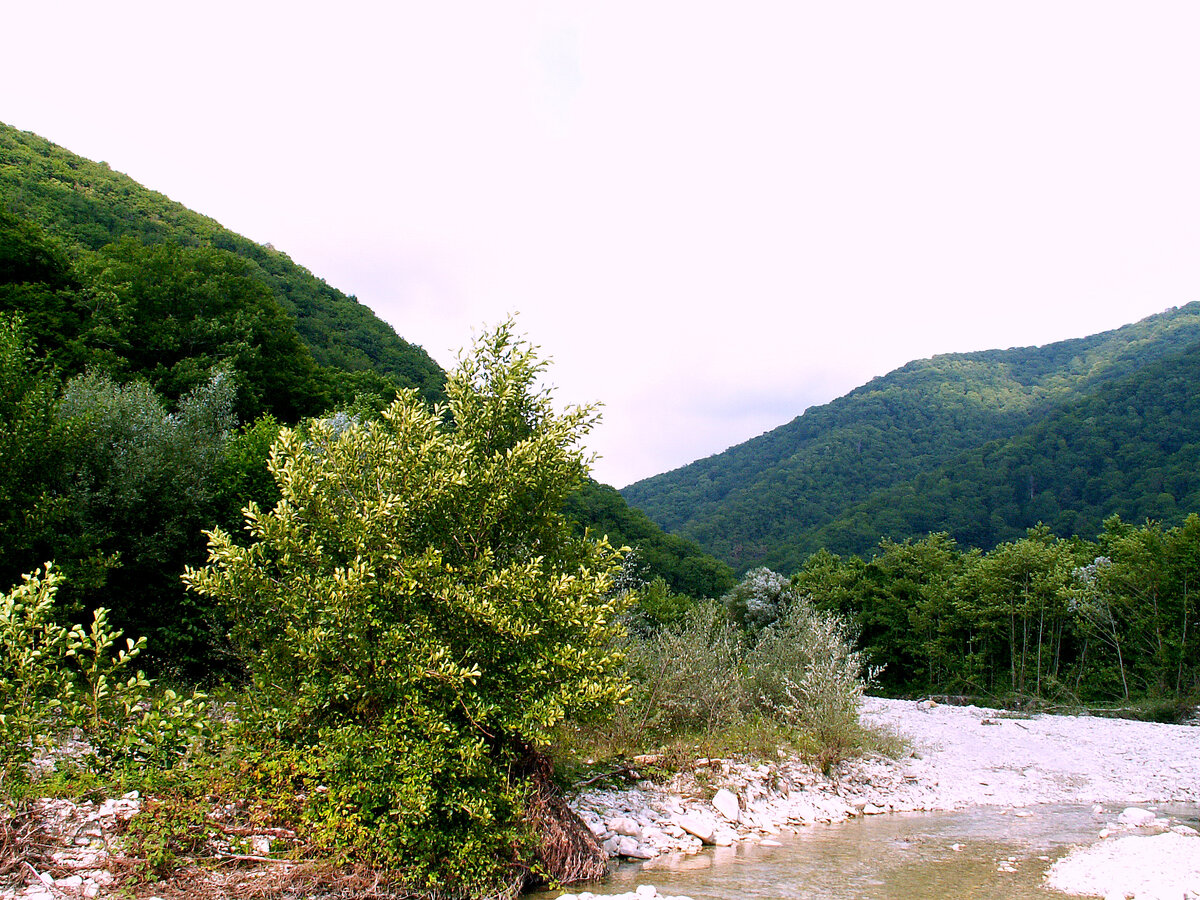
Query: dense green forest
(1064,620)
(870,464)
(148,358)
(683,566)
(1131,448)
(87,206)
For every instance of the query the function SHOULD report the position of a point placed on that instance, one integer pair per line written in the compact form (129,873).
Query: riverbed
(1001,798)
(972,853)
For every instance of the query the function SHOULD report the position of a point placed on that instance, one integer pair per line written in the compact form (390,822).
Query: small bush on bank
(58,683)
(760,670)
(417,617)
(688,676)
(805,672)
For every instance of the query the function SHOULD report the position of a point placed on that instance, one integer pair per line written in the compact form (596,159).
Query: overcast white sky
(711,215)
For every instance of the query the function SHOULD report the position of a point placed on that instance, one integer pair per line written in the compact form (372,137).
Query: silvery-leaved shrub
(805,672)
(765,654)
(760,599)
(688,675)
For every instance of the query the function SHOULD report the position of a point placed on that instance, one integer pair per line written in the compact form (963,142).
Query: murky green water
(976,853)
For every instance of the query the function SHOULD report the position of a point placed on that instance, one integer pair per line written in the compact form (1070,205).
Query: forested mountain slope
(87,206)
(1131,448)
(763,501)
(681,563)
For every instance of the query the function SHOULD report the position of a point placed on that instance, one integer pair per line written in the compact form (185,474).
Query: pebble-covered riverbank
(723,802)
(959,756)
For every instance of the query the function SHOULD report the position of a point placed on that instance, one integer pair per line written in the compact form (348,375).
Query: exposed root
(567,850)
(25,848)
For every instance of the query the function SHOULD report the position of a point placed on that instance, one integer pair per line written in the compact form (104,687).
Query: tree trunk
(1041,632)
(1120,663)
(1012,648)
(1082,664)
(1024,644)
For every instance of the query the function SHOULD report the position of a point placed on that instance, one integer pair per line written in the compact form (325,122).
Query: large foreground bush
(417,617)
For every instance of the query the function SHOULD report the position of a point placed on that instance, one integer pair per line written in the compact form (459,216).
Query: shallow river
(975,853)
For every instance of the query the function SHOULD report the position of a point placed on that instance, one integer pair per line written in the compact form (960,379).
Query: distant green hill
(765,502)
(86,206)
(1130,448)
(685,567)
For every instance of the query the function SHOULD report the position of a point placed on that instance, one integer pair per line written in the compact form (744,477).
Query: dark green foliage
(1131,448)
(657,605)
(681,564)
(140,486)
(900,603)
(88,206)
(1140,603)
(39,284)
(1061,620)
(32,440)
(176,312)
(150,299)
(163,312)
(765,502)
(244,474)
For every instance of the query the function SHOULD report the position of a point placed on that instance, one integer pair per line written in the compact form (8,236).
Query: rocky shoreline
(724,802)
(959,756)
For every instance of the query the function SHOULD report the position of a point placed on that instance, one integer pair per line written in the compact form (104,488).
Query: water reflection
(976,853)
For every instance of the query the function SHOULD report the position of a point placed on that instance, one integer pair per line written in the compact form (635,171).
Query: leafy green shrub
(32,681)
(144,482)
(54,681)
(417,617)
(688,675)
(805,672)
(32,440)
(704,676)
(177,824)
(113,709)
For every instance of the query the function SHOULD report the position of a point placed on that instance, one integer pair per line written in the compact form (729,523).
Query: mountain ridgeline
(979,445)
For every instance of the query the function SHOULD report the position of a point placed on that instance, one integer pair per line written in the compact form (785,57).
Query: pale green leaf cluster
(57,684)
(417,595)
(32,682)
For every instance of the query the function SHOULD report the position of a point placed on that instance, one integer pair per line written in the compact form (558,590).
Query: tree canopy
(1063,620)
(86,206)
